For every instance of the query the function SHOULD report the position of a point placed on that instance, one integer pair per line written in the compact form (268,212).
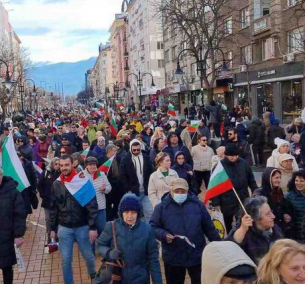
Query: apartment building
(146,51)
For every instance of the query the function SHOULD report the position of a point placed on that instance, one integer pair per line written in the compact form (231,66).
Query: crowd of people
(148,204)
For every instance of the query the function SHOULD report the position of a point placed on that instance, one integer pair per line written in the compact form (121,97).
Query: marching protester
(181,222)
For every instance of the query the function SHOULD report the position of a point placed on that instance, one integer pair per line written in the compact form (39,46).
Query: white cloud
(76,27)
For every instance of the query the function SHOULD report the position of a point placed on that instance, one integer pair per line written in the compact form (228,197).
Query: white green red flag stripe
(113,126)
(84,154)
(219,183)
(12,166)
(194,126)
(96,175)
(106,166)
(171,110)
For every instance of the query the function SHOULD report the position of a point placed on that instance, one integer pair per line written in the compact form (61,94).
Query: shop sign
(265,73)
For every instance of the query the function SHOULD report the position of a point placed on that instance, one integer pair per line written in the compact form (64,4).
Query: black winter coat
(12,220)
(44,186)
(256,132)
(129,174)
(30,191)
(274,132)
(241,175)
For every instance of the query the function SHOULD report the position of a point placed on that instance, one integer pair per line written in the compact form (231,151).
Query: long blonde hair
(268,269)
(158,132)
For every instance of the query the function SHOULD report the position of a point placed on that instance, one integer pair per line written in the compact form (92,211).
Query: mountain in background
(70,74)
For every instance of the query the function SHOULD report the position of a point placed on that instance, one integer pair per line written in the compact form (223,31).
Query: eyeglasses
(64,139)
(136,150)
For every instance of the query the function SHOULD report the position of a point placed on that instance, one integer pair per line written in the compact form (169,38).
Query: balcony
(261,25)
(126,68)
(126,53)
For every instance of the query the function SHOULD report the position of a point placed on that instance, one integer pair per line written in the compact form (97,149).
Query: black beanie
(242,272)
(231,150)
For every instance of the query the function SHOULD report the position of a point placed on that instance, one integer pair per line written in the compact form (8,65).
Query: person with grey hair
(257,231)
(12,223)
(100,148)
(48,176)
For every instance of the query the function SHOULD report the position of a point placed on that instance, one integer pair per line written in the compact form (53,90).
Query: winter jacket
(169,150)
(91,133)
(12,220)
(256,132)
(44,186)
(242,146)
(66,210)
(204,131)
(241,175)
(190,219)
(129,175)
(220,257)
(274,162)
(213,112)
(78,142)
(273,132)
(26,149)
(159,185)
(297,202)
(278,204)
(186,137)
(139,250)
(202,157)
(152,155)
(257,242)
(241,131)
(99,151)
(43,148)
(146,138)
(292,129)
(30,191)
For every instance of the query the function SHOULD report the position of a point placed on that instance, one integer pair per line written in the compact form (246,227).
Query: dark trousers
(176,274)
(258,152)
(202,176)
(228,222)
(8,275)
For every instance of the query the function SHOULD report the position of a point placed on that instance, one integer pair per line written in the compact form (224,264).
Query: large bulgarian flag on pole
(12,166)
(113,126)
(106,166)
(219,183)
(171,110)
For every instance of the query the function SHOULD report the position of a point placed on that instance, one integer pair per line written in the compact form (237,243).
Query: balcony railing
(261,25)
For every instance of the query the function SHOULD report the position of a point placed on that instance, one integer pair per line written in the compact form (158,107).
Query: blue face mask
(180,198)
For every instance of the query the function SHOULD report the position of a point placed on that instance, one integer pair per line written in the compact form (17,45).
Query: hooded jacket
(220,257)
(138,246)
(26,149)
(128,171)
(256,132)
(275,131)
(169,150)
(273,160)
(182,170)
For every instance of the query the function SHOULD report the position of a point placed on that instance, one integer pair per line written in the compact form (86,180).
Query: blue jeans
(101,221)
(66,237)
(147,207)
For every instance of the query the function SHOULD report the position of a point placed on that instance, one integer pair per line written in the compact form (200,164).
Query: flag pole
(241,204)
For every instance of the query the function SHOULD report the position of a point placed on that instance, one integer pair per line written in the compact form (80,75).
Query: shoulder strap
(114,236)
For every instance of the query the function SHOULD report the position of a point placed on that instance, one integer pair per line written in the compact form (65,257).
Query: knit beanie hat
(231,150)
(279,142)
(284,157)
(130,204)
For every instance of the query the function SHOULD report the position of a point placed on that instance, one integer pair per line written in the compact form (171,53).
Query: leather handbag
(110,272)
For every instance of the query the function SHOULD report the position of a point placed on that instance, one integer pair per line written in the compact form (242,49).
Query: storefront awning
(270,80)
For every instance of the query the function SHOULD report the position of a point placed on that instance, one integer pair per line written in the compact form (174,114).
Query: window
(174,53)
(246,53)
(160,63)
(245,18)
(166,35)
(296,40)
(230,60)
(183,45)
(166,56)
(160,45)
(261,8)
(194,70)
(293,2)
(228,26)
(268,49)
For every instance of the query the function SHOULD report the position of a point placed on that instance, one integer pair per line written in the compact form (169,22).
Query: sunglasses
(136,150)
(64,139)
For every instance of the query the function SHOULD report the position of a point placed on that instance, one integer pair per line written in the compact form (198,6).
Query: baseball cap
(179,183)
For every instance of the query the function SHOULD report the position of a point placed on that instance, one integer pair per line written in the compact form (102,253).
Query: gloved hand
(114,254)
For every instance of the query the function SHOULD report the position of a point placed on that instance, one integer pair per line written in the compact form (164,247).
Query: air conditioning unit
(290,57)
(243,68)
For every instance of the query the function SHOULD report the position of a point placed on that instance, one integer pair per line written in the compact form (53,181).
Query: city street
(44,268)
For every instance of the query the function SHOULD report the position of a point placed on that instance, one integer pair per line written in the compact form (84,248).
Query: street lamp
(139,78)
(201,64)
(8,82)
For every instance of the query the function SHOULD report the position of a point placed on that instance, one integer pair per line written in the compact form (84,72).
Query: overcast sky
(62,30)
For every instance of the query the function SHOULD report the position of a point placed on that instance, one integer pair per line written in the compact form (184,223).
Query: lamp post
(8,82)
(139,78)
(201,64)
(116,89)
(35,94)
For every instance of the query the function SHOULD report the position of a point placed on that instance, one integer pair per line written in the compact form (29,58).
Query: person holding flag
(74,211)
(231,172)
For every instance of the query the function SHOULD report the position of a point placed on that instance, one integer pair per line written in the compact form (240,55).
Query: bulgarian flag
(13,166)
(96,175)
(171,110)
(219,183)
(194,126)
(106,166)
(84,154)
(113,126)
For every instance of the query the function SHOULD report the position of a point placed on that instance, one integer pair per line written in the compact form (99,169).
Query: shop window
(243,98)
(291,92)
(264,98)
